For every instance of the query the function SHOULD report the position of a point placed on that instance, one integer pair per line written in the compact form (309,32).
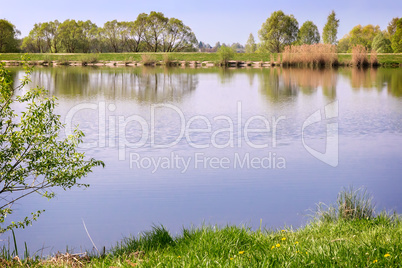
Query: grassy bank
(344,58)
(345,235)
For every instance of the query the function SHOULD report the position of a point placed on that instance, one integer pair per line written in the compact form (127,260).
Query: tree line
(281,30)
(156,33)
(151,32)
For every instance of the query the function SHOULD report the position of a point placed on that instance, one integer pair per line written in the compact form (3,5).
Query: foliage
(330,30)
(381,44)
(278,31)
(397,38)
(33,158)
(391,28)
(153,32)
(250,47)
(343,44)
(8,37)
(225,54)
(308,34)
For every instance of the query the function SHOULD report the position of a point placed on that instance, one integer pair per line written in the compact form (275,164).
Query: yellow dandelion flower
(283,238)
(278,245)
(241,252)
(387,255)
(296,242)
(231,259)
(179,257)
(283,231)
(272,247)
(375,261)
(306,252)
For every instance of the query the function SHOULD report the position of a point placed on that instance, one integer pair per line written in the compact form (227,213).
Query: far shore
(190,59)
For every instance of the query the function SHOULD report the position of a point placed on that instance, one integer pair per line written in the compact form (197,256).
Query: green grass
(387,59)
(344,240)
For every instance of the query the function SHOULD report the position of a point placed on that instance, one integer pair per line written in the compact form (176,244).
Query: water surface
(113,106)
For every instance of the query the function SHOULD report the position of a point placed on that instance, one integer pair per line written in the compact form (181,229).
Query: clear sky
(211,20)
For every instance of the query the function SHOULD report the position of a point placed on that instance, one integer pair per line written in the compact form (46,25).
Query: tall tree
(178,36)
(137,32)
(364,36)
(156,28)
(112,31)
(381,44)
(330,29)
(278,31)
(392,26)
(71,35)
(35,41)
(308,34)
(397,38)
(49,31)
(250,47)
(8,37)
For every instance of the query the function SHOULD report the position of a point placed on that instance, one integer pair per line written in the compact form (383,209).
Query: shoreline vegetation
(348,233)
(298,56)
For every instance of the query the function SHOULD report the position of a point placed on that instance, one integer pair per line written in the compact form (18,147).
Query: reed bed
(359,56)
(317,55)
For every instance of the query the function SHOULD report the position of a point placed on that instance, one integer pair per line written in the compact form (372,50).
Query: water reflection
(279,84)
(142,84)
(155,85)
(369,79)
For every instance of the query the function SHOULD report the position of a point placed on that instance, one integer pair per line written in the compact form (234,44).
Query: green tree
(251,47)
(178,36)
(71,36)
(278,31)
(381,44)
(343,45)
(35,42)
(49,32)
(113,31)
(392,26)
(308,34)
(33,158)
(397,38)
(330,30)
(225,54)
(8,37)
(156,28)
(364,36)
(137,33)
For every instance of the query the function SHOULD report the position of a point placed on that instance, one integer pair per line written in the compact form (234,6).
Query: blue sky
(211,21)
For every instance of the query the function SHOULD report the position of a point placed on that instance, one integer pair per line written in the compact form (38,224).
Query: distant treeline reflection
(157,85)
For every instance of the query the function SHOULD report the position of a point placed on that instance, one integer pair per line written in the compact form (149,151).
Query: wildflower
(241,252)
(272,247)
(231,259)
(283,238)
(387,255)
(296,242)
(278,245)
(375,261)
(179,257)
(283,231)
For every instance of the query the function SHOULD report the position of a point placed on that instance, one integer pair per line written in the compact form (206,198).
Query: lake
(185,147)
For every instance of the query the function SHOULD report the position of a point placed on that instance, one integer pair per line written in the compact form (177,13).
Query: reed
(359,56)
(316,55)
(148,59)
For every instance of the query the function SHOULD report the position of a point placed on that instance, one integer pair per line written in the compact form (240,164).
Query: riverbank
(176,59)
(345,236)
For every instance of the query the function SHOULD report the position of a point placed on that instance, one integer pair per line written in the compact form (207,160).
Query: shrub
(225,54)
